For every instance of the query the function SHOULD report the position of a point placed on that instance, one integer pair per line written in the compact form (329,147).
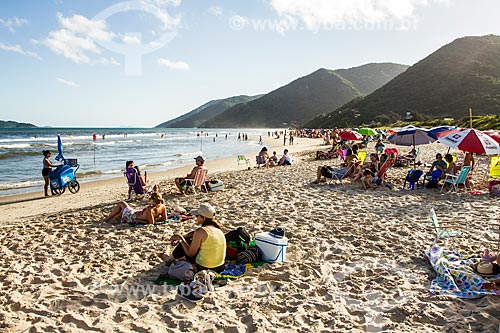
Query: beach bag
(236,241)
(181,270)
(492,184)
(250,255)
(215,185)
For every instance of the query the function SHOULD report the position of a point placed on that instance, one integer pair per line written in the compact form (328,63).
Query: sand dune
(354,261)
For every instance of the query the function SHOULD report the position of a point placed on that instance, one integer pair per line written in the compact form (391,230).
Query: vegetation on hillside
(306,97)
(461,75)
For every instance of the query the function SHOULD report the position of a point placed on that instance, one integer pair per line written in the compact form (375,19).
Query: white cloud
(77,37)
(67,83)
(12,22)
(316,14)
(216,11)
(18,49)
(108,61)
(175,65)
(159,9)
(131,40)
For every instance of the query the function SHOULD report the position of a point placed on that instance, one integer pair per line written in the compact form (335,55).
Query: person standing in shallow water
(47,168)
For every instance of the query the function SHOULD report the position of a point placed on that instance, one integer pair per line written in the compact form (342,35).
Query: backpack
(237,241)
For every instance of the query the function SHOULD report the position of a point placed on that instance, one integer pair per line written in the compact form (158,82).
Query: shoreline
(13,204)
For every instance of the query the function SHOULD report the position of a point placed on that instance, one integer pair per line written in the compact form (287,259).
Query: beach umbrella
(367,131)
(411,136)
(495,135)
(350,135)
(470,140)
(433,132)
(60,155)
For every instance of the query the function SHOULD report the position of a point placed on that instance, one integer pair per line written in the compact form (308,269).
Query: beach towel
(231,271)
(455,276)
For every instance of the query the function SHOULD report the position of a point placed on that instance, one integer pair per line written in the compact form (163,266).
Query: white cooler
(273,248)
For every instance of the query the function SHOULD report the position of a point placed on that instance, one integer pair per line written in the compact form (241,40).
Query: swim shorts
(129,215)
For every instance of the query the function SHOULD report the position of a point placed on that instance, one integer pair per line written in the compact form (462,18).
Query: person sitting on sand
(367,180)
(263,157)
(438,164)
(156,211)
(184,181)
(204,247)
(285,159)
(273,160)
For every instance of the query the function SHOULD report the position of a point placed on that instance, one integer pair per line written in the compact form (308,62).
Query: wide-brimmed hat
(200,158)
(484,267)
(205,210)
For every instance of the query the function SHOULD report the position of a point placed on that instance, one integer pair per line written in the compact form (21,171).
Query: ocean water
(152,149)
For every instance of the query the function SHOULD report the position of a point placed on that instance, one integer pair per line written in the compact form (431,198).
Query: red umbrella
(495,135)
(470,140)
(350,135)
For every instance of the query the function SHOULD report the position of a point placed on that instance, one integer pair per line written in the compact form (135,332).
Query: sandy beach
(354,261)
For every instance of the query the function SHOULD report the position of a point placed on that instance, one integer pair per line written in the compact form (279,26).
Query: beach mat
(456,276)
(231,271)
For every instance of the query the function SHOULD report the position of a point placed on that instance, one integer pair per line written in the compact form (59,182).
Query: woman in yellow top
(205,247)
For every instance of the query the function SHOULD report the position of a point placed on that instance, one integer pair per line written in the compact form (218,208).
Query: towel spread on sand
(231,271)
(455,276)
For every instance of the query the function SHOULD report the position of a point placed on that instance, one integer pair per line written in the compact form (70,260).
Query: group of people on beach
(263,159)
(372,172)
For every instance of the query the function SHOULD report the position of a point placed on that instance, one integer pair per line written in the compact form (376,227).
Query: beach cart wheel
(58,191)
(73,186)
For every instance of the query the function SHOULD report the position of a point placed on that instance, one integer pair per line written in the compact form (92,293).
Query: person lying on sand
(204,247)
(156,211)
(182,181)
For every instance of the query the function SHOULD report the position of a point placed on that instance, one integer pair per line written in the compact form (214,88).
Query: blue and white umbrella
(411,136)
(60,155)
(434,132)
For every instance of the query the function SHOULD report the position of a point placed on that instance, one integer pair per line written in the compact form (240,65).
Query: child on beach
(156,211)
(367,180)
(47,168)
(285,159)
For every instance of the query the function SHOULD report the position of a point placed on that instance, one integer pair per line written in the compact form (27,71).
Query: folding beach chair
(339,175)
(362,156)
(412,178)
(198,182)
(133,181)
(443,230)
(495,167)
(242,160)
(456,180)
(382,173)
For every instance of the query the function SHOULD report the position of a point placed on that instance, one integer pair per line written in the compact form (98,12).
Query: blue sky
(60,65)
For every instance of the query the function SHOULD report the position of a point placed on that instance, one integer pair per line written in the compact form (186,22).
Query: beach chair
(242,160)
(198,182)
(456,180)
(382,173)
(338,176)
(495,167)
(134,182)
(443,230)
(362,156)
(412,178)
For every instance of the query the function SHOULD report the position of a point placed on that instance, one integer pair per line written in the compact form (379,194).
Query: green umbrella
(367,131)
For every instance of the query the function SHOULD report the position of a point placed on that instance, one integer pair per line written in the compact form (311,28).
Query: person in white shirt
(285,159)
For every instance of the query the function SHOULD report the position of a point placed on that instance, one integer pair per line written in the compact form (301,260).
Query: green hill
(15,124)
(205,112)
(306,97)
(462,74)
